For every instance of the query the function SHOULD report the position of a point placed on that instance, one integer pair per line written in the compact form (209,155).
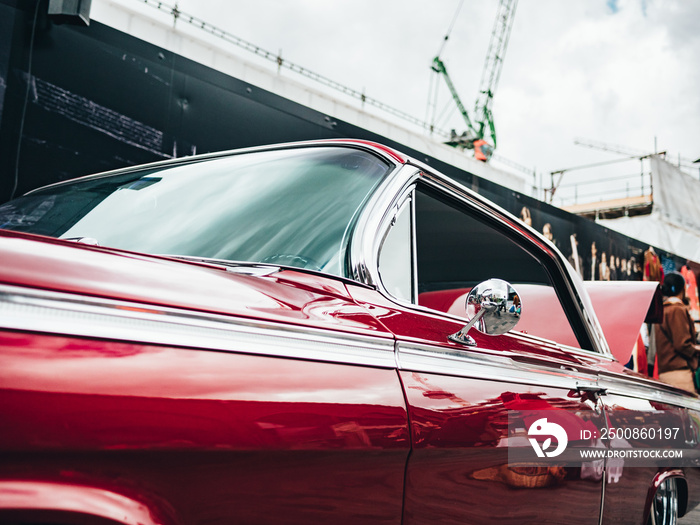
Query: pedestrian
(635,270)
(691,290)
(624,273)
(653,271)
(575,257)
(612,274)
(595,275)
(676,349)
(604,269)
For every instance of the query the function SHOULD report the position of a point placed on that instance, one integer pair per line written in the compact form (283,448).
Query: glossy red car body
(144,389)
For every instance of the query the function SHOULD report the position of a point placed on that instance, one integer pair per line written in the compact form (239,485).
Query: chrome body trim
(63,314)
(469,363)
(647,389)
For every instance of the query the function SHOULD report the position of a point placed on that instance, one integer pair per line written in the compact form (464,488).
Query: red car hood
(289,296)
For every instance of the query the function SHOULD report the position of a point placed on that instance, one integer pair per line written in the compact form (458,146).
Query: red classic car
(318,332)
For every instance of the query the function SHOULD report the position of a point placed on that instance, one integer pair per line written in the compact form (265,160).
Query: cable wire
(449,30)
(26,100)
(202,25)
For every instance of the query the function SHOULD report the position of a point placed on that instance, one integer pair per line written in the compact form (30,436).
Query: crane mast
(474,136)
(493,67)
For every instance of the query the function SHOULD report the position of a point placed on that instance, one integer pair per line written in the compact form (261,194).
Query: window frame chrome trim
(406,197)
(63,314)
(366,241)
(203,157)
(375,221)
(472,200)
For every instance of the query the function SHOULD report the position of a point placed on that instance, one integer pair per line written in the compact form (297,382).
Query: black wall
(93,99)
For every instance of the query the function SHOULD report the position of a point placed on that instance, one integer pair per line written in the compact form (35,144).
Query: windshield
(290,207)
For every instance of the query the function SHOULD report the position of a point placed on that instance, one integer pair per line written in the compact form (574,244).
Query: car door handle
(592,391)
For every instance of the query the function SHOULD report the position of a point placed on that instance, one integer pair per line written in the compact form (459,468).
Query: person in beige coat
(676,348)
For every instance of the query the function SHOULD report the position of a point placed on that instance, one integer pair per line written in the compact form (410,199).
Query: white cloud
(623,72)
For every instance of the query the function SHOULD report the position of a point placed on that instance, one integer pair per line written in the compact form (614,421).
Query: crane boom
(613,148)
(493,67)
(439,67)
(473,138)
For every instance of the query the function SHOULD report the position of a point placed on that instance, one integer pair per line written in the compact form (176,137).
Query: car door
(124,410)
(653,440)
(467,404)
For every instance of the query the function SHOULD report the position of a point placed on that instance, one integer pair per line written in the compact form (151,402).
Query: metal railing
(610,188)
(198,23)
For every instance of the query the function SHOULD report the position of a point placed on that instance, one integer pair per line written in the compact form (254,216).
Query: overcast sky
(621,72)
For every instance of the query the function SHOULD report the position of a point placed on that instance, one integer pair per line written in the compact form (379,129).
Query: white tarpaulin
(674,223)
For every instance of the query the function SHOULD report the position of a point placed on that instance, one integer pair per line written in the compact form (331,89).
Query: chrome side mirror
(493,307)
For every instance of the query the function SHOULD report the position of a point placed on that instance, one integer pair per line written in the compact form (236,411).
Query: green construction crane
(439,67)
(476,134)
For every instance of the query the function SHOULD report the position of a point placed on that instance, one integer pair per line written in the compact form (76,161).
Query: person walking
(604,271)
(595,272)
(691,290)
(653,271)
(676,348)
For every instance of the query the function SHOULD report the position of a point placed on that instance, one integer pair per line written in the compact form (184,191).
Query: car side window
(396,255)
(455,249)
